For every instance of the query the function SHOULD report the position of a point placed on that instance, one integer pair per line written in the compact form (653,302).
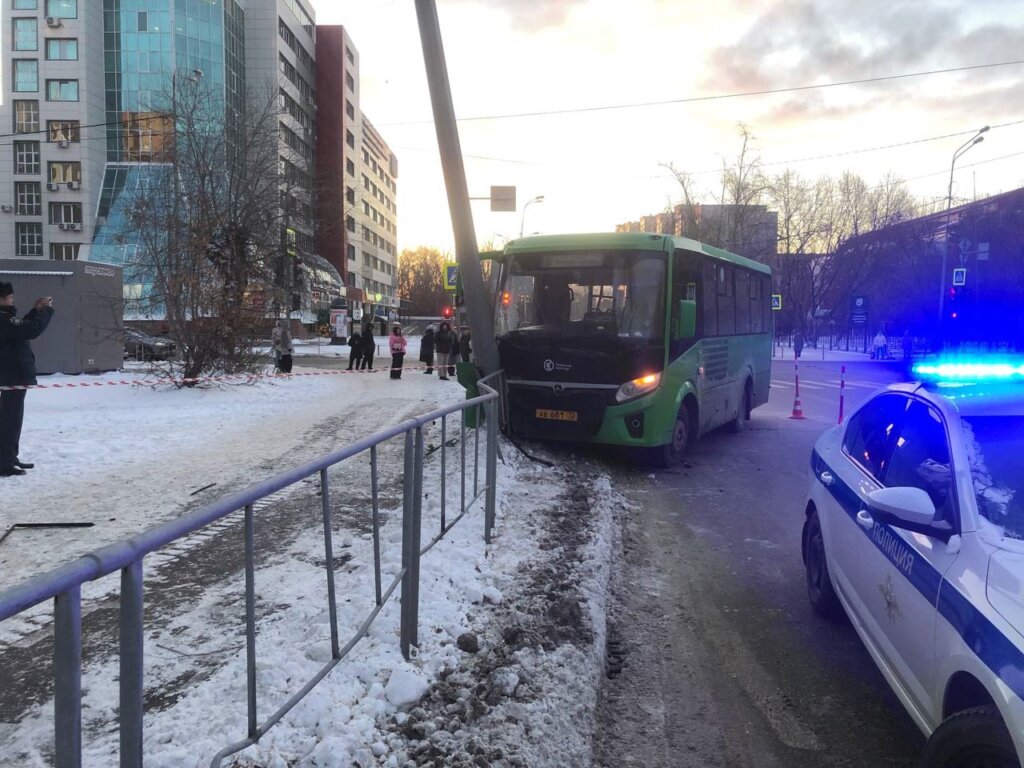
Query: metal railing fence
(63,585)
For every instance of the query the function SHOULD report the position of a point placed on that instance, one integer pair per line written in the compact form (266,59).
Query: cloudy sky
(583,101)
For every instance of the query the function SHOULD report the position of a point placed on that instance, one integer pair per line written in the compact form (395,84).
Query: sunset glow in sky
(598,168)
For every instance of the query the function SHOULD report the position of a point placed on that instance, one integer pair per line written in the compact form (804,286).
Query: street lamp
(537,199)
(961,150)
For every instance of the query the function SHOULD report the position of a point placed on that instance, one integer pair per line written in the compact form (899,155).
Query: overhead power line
(717,97)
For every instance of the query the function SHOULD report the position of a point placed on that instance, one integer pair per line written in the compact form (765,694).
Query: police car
(915,528)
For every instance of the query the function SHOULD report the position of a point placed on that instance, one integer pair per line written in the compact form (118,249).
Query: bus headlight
(638,387)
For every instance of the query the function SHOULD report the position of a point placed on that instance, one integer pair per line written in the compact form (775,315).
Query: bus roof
(627,241)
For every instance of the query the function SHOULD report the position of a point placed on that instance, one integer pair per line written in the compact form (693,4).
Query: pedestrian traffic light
(954,304)
(447,312)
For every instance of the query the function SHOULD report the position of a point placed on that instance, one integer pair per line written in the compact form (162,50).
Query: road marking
(860,384)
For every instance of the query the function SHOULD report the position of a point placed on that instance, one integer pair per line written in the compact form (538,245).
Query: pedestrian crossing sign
(451,276)
(777,302)
(959,277)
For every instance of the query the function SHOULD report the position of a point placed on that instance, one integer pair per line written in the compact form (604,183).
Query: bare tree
(208,222)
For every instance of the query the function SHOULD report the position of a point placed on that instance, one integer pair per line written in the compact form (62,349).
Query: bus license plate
(557,415)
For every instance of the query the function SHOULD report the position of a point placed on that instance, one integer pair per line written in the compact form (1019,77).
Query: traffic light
(447,312)
(953,303)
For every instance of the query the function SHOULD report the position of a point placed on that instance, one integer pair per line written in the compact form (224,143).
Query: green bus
(630,339)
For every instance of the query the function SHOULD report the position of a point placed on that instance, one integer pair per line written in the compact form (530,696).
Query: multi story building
(749,230)
(357,184)
(87,98)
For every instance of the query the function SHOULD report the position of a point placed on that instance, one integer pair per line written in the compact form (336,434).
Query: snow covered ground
(529,609)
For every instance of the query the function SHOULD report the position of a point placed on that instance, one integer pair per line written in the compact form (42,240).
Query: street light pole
(961,150)
(522,221)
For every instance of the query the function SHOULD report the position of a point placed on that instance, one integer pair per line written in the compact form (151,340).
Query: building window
(62,9)
(65,213)
(63,130)
(351,252)
(62,90)
(142,23)
(64,172)
(62,49)
(350,82)
(350,224)
(349,56)
(367,260)
(26,34)
(64,251)
(28,196)
(26,5)
(350,139)
(26,75)
(26,116)
(350,168)
(26,157)
(349,109)
(28,238)
(350,196)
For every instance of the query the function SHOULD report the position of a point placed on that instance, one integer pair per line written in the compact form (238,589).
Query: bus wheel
(746,406)
(671,453)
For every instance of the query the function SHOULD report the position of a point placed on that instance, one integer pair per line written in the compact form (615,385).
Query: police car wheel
(973,738)
(819,584)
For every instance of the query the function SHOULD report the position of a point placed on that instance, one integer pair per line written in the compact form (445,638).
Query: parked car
(142,346)
(915,529)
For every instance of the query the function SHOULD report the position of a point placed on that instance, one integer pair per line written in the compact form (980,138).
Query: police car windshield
(995,451)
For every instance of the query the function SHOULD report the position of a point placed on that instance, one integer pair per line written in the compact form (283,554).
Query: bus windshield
(602,293)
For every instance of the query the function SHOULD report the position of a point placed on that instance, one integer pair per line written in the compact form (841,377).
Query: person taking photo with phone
(17,369)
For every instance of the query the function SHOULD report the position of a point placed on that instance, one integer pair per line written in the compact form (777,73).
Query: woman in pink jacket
(396,342)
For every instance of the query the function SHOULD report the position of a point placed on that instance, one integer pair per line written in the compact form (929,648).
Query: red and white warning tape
(248,378)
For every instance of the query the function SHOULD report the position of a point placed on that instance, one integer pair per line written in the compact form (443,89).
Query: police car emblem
(549,365)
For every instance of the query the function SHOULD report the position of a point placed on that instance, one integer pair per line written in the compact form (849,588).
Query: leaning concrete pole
(481,321)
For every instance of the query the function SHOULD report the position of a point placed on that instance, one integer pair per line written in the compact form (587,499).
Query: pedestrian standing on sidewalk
(443,346)
(397,344)
(281,340)
(427,349)
(17,369)
(798,343)
(453,355)
(465,348)
(355,349)
(368,345)
(908,345)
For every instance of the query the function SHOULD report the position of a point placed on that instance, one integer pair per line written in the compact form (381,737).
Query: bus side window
(743,324)
(710,299)
(756,312)
(726,301)
(686,279)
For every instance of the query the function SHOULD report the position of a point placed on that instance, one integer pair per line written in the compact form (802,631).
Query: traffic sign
(451,276)
(959,276)
(776,302)
(859,310)
(503,199)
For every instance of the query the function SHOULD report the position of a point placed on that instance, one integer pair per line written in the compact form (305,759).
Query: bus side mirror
(686,322)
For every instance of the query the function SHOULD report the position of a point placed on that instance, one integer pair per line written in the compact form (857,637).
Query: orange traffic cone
(798,411)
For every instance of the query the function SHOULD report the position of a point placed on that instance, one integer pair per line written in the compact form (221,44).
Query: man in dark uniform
(17,368)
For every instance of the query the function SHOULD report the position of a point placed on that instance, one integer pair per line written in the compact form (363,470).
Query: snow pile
(523,691)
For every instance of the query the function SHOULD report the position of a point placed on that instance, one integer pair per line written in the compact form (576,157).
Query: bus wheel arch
(684,433)
(745,407)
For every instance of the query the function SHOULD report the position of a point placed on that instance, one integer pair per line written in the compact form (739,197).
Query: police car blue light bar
(971,371)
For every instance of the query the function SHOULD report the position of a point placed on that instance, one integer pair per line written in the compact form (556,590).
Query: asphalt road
(725,664)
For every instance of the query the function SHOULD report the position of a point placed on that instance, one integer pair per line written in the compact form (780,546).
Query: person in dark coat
(17,369)
(453,354)
(465,346)
(427,349)
(443,346)
(355,349)
(369,345)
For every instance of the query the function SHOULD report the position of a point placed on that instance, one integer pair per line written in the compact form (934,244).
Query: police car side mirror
(909,508)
